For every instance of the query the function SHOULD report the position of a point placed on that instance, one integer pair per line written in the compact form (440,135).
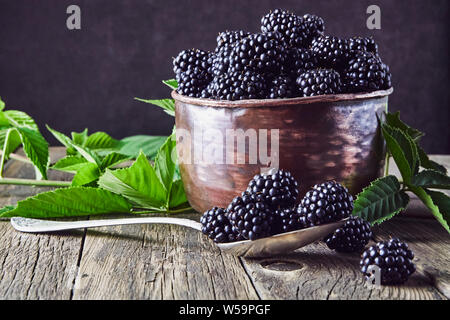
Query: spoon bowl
(264,247)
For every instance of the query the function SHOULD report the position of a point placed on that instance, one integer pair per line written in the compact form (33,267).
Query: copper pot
(319,138)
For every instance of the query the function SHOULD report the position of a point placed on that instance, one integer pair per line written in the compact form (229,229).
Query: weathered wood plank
(35,266)
(158,262)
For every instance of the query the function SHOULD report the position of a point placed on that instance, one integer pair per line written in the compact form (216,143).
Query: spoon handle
(36,225)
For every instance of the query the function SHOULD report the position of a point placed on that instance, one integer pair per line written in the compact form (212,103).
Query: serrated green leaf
(138,183)
(100,140)
(431,179)
(69,164)
(80,138)
(403,150)
(381,200)
(437,202)
(70,202)
(2,104)
(149,145)
(12,139)
(165,162)
(20,119)
(426,163)
(113,159)
(171,83)
(177,194)
(167,104)
(86,174)
(393,120)
(35,148)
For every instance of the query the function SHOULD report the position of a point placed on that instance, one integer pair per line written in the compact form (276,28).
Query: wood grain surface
(172,262)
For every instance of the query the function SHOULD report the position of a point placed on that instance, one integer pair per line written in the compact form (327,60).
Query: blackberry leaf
(393,120)
(167,104)
(426,163)
(431,179)
(171,83)
(380,201)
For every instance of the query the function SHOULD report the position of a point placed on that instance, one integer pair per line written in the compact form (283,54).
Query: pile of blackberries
(291,57)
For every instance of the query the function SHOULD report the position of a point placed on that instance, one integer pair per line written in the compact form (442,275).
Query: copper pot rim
(280,102)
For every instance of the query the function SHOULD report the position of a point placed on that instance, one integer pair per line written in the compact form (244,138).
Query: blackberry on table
(353,236)
(289,25)
(363,44)
(318,82)
(217,227)
(278,188)
(331,52)
(366,72)
(238,86)
(324,203)
(251,216)
(258,52)
(281,87)
(393,257)
(287,220)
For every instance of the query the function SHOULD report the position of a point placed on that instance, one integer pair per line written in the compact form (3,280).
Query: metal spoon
(277,244)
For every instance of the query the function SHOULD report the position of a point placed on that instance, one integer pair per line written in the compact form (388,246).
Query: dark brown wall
(88,78)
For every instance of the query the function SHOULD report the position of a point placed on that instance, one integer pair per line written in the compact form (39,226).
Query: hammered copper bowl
(320,138)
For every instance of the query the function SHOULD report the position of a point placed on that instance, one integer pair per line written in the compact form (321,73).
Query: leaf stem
(17,157)
(37,183)
(386,164)
(168,211)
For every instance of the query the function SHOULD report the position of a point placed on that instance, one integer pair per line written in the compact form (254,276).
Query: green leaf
(149,145)
(177,194)
(171,83)
(165,163)
(393,120)
(437,202)
(13,141)
(69,164)
(100,140)
(86,174)
(426,163)
(403,150)
(35,148)
(80,138)
(70,202)
(2,104)
(137,183)
(112,159)
(431,179)
(167,104)
(380,201)
(61,137)
(20,119)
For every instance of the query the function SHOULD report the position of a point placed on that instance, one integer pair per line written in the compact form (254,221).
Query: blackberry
(331,52)
(393,257)
(318,82)
(289,25)
(324,203)
(250,216)
(221,59)
(299,61)
(352,237)
(278,188)
(230,37)
(287,220)
(363,44)
(192,82)
(238,86)
(281,87)
(217,227)
(314,25)
(366,72)
(188,59)
(258,52)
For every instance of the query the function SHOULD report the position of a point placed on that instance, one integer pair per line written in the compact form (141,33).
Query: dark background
(88,78)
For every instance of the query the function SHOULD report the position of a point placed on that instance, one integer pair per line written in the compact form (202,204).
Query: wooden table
(171,262)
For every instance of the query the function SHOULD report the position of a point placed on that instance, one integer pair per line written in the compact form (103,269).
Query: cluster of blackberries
(291,57)
(268,207)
